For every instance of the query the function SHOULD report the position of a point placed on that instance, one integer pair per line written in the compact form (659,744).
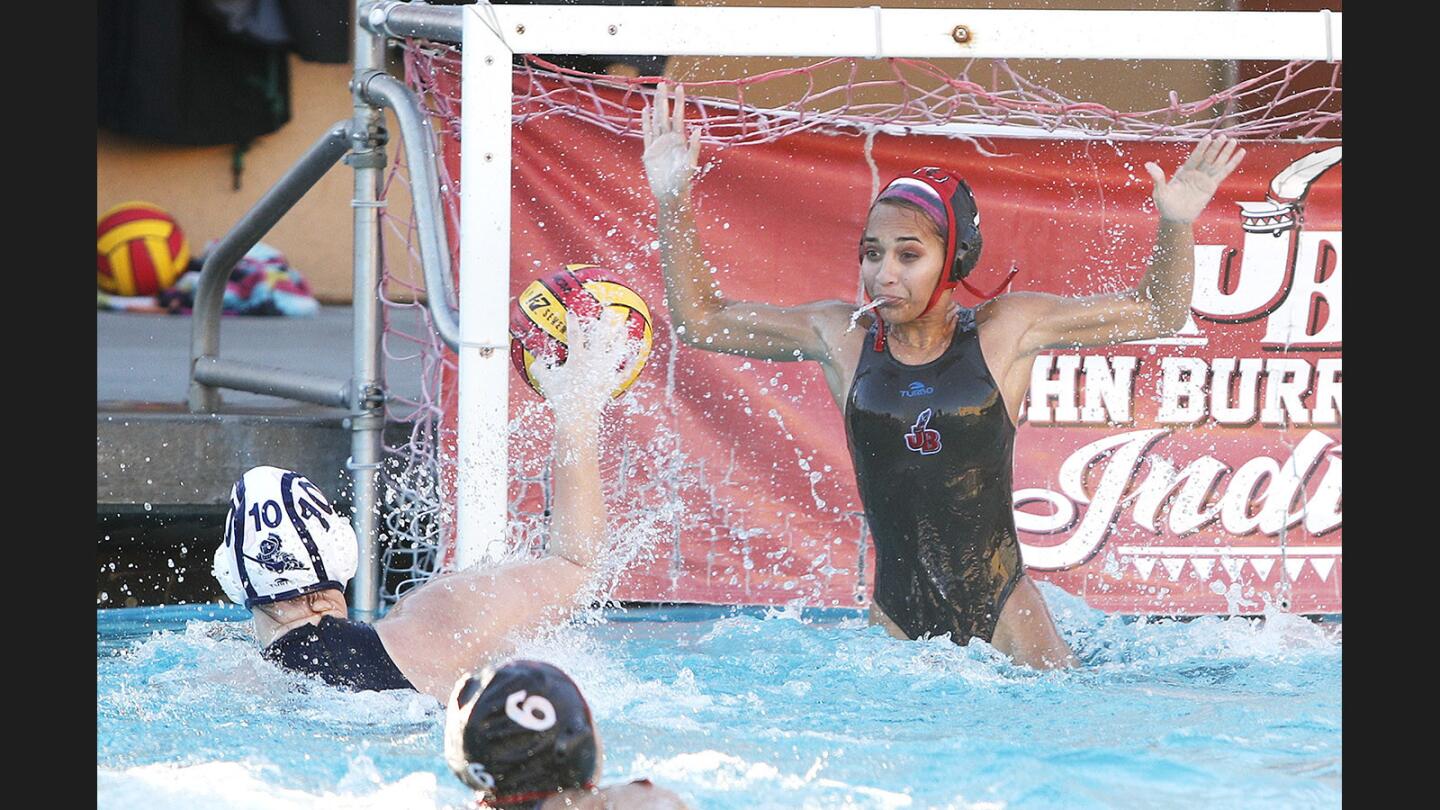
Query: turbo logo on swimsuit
(922,438)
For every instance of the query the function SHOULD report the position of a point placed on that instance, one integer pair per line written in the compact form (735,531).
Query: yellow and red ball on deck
(537,318)
(139,249)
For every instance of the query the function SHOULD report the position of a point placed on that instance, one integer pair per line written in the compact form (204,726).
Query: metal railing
(360,141)
(208,372)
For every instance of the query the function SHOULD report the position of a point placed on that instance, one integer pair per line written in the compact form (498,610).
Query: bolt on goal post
(490,35)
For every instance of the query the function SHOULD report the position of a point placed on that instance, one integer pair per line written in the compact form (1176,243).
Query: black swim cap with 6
(521,734)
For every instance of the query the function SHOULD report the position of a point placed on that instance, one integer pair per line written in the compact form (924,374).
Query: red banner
(1198,474)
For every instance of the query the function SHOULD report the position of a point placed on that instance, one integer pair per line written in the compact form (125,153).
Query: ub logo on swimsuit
(922,438)
(917,389)
(275,560)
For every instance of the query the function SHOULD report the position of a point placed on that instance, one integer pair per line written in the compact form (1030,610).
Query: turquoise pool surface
(754,708)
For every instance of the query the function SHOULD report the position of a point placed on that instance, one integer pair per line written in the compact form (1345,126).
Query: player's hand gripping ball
(537,318)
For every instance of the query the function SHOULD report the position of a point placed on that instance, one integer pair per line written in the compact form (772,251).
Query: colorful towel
(262,283)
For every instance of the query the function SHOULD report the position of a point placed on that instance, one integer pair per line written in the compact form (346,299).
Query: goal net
(1195,474)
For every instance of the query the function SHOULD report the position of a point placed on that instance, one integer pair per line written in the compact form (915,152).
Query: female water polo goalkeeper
(934,472)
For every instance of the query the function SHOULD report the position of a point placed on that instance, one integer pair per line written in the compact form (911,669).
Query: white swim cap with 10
(282,539)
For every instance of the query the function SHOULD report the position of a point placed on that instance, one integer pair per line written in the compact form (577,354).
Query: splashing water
(742,708)
(855,316)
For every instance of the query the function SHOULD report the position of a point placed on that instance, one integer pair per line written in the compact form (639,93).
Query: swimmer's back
(342,653)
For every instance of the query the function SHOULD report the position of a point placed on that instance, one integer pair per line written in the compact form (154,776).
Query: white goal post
(490,35)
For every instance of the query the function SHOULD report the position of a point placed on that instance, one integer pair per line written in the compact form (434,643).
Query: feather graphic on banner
(1174,565)
(1293,183)
(1284,203)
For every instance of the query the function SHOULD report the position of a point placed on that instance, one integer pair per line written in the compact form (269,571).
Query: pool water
(754,708)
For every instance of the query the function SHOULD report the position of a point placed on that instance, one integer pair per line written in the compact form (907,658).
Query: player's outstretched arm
(461,620)
(703,317)
(1158,305)
(600,355)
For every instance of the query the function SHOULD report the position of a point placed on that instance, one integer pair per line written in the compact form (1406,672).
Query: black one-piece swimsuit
(933,447)
(340,652)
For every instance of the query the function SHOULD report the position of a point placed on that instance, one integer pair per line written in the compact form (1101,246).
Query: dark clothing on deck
(341,653)
(933,446)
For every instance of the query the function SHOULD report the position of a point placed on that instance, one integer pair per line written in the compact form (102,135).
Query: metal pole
(385,91)
(368,160)
(274,382)
(205,323)
(402,20)
(1229,74)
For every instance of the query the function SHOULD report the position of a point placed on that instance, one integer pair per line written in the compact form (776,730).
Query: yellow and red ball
(139,249)
(537,318)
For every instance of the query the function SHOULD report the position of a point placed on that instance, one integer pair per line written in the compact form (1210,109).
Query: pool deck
(146,358)
(151,450)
